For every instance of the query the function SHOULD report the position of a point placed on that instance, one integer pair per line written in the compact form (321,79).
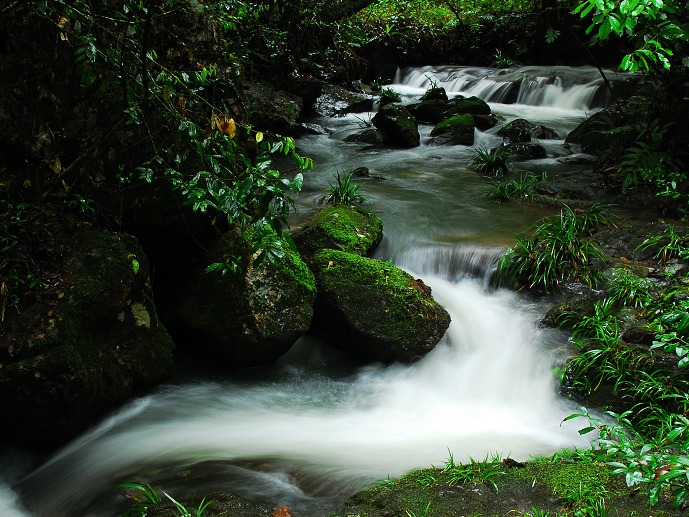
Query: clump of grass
(474,471)
(388,96)
(521,189)
(344,191)
(490,162)
(557,251)
(672,243)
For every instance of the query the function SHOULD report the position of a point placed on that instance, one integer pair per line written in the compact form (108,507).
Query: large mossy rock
(373,309)
(457,130)
(342,227)
(398,127)
(87,344)
(436,109)
(251,317)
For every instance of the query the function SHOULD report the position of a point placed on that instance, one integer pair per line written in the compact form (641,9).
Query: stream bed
(317,426)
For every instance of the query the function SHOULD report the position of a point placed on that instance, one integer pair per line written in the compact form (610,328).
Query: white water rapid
(315,427)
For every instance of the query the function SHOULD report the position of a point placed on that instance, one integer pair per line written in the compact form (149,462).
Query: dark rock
(485,122)
(367,136)
(525,151)
(270,109)
(337,101)
(352,229)
(457,130)
(521,130)
(89,342)
(434,94)
(568,312)
(435,110)
(373,309)
(398,127)
(250,317)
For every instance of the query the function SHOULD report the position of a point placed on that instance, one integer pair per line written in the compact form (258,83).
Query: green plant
(660,461)
(654,27)
(626,289)
(182,511)
(344,191)
(520,189)
(145,496)
(502,61)
(557,251)
(388,95)
(423,508)
(490,162)
(364,123)
(672,243)
(474,471)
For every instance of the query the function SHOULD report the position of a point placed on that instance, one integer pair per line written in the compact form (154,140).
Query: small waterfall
(454,262)
(580,88)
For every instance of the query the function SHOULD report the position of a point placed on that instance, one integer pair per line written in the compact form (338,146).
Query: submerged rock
(373,309)
(250,317)
(346,228)
(87,343)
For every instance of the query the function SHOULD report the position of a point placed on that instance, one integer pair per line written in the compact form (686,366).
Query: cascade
(317,426)
(563,87)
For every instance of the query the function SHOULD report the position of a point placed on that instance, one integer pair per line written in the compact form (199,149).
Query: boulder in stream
(457,130)
(342,227)
(373,309)
(522,131)
(398,127)
(89,340)
(250,317)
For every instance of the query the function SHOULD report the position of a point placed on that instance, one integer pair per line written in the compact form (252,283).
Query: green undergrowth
(568,484)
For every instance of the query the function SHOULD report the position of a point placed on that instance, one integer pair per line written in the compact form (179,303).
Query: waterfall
(486,388)
(317,426)
(581,88)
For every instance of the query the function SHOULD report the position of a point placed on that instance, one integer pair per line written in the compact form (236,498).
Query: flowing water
(312,429)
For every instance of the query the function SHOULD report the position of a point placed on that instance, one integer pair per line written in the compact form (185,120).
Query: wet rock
(521,130)
(270,109)
(353,229)
(250,317)
(367,136)
(398,127)
(88,343)
(457,130)
(435,110)
(338,101)
(373,309)
(525,150)
(436,93)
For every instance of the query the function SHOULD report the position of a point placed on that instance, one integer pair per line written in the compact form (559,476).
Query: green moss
(568,478)
(402,303)
(348,228)
(297,270)
(460,128)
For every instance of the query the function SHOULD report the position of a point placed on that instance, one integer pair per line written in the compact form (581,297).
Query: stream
(317,426)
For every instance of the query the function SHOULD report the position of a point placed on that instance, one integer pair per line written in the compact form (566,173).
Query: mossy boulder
(373,309)
(89,341)
(342,227)
(457,130)
(397,125)
(468,106)
(436,109)
(250,317)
